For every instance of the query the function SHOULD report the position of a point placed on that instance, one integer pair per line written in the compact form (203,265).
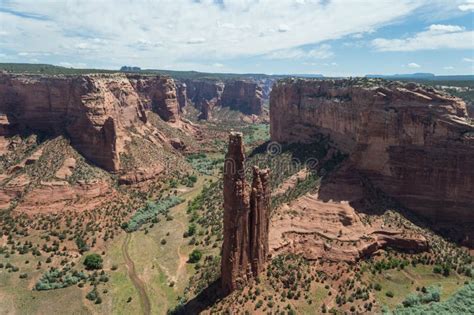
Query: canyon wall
(244,96)
(93,111)
(158,94)
(246,219)
(413,142)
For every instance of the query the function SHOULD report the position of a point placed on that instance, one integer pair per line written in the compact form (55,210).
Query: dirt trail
(137,282)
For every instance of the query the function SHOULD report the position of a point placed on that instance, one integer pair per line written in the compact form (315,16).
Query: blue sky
(331,37)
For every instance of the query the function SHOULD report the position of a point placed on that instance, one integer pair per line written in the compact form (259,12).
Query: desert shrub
(195,256)
(57,279)
(150,211)
(462,302)
(93,261)
(81,245)
(92,295)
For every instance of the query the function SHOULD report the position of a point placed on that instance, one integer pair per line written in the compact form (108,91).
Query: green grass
(404,282)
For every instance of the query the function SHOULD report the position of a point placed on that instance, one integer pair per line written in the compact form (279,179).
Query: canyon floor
(337,244)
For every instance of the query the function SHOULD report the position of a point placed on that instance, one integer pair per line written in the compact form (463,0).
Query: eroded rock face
(244,96)
(246,219)
(182,95)
(202,90)
(94,111)
(158,94)
(413,142)
(91,110)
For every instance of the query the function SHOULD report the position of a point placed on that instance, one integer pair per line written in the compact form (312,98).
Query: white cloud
(468,6)
(283,28)
(197,40)
(437,36)
(218,65)
(155,33)
(445,28)
(468,59)
(448,68)
(322,52)
(413,65)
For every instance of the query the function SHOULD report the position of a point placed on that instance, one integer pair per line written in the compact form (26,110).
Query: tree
(195,256)
(93,261)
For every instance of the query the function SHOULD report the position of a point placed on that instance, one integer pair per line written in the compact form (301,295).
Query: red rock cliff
(246,219)
(158,94)
(413,142)
(244,96)
(91,110)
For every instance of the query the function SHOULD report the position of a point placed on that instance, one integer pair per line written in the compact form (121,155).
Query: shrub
(93,261)
(195,256)
(390,294)
(92,295)
(437,269)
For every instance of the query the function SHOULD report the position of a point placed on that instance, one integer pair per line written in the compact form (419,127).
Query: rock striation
(413,142)
(159,94)
(94,111)
(91,110)
(244,96)
(246,219)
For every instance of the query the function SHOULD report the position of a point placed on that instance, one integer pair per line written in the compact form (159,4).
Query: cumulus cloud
(468,6)
(436,36)
(413,65)
(120,32)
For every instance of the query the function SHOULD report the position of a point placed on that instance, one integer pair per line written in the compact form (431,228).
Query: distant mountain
(306,75)
(422,76)
(130,69)
(402,76)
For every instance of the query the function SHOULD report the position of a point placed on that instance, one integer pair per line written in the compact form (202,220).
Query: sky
(329,37)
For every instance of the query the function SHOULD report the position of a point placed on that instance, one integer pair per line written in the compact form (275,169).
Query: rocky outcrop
(246,219)
(243,96)
(413,142)
(206,109)
(96,112)
(205,95)
(91,110)
(182,95)
(470,110)
(158,94)
(204,90)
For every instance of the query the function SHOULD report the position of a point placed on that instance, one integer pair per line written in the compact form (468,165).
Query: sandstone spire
(246,219)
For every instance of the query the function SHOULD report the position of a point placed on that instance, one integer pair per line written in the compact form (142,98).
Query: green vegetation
(462,302)
(195,256)
(427,295)
(203,164)
(150,211)
(57,279)
(93,261)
